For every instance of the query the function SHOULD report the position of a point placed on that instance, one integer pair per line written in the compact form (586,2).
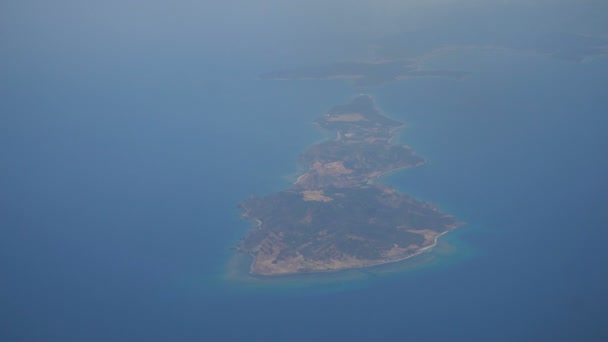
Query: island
(335,216)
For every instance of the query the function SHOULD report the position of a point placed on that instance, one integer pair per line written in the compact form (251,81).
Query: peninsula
(334,217)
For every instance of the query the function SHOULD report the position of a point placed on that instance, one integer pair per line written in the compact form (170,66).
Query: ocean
(119,206)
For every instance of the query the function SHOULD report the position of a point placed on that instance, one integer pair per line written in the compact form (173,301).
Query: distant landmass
(558,45)
(402,56)
(363,74)
(333,217)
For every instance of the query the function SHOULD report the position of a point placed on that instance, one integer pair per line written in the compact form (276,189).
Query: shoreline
(418,252)
(373,179)
(302,175)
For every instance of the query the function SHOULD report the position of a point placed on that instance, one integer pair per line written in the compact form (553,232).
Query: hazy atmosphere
(303,170)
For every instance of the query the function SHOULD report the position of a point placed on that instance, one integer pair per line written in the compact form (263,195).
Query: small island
(334,216)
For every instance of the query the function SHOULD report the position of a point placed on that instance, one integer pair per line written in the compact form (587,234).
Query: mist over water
(130,131)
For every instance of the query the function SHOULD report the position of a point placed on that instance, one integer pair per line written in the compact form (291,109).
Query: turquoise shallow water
(120,211)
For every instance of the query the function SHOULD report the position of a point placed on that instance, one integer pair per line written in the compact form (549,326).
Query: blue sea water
(119,206)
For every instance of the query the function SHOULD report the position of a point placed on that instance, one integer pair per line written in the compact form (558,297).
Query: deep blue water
(118,206)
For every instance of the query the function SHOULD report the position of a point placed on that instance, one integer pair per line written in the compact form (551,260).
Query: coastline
(302,175)
(371,180)
(417,253)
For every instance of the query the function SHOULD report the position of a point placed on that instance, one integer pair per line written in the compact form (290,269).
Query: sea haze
(130,131)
